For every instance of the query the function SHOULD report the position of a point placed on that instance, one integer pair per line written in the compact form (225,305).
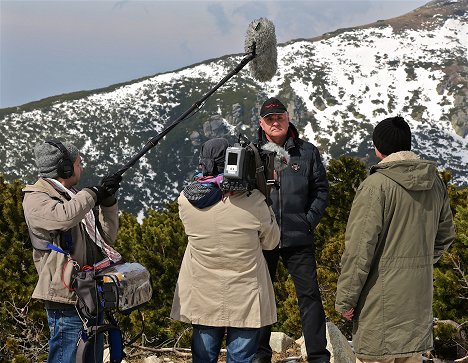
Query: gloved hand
(111,183)
(101,193)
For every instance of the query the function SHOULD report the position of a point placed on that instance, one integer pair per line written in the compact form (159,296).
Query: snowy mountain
(337,87)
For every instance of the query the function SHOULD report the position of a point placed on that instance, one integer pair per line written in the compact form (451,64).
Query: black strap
(260,174)
(88,338)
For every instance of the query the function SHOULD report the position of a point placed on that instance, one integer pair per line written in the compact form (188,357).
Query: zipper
(280,203)
(280,210)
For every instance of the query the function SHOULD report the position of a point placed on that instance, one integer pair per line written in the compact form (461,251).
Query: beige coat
(48,213)
(224,279)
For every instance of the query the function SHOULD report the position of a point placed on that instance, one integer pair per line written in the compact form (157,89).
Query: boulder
(152,359)
(279,342)
(337,344)
(106,356)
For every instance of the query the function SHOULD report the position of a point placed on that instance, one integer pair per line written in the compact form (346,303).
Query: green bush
(24,325)
(159,243)
(445,341)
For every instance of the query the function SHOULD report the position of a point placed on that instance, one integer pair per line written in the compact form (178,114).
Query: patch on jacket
(295,167)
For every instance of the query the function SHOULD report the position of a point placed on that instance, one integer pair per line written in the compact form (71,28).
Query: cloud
(120,4)
(125,4)
(223,23)
(110,41)
(252,10)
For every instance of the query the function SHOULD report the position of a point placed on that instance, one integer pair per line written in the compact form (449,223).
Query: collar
(400,155)
(58,186)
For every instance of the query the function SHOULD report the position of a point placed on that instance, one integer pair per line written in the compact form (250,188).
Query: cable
(63,273)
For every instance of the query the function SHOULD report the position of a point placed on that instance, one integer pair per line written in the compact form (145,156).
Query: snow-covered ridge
(336,89)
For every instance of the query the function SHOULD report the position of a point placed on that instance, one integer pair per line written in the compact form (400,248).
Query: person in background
(69,229)
(224,286)
(399,225)
(298,204)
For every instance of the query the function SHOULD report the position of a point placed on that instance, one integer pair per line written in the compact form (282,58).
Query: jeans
(241,344)
(300,263)
(65,330)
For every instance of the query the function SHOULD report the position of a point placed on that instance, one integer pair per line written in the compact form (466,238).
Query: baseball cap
(272,106)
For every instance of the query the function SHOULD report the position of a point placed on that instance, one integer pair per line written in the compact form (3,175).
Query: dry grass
(138,356)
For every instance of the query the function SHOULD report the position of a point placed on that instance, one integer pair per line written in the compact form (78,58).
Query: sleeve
(47,214)
(269,233)
(318,190)
(445,231)
(362,234)
(109,220)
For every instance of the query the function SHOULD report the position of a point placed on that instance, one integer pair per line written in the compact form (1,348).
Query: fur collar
(400,155)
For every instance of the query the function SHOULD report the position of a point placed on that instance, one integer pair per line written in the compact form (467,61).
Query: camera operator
(298,204)
(67,235)
(224,285)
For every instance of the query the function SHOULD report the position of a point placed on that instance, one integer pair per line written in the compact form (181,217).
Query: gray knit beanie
(48,156)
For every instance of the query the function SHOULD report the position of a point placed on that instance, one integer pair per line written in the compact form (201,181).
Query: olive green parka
(399,225)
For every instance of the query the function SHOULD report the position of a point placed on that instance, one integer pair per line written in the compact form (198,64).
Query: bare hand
(348,315)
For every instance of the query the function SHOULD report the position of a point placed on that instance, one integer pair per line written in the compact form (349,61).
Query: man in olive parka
(399,225)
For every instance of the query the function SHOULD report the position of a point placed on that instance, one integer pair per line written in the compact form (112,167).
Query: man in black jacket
(298,204)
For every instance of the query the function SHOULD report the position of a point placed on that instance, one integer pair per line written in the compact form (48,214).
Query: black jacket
(302,197)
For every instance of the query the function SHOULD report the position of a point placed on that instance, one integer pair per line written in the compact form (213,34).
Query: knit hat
(212,156)
(272,106)
(392,135)
(48,156)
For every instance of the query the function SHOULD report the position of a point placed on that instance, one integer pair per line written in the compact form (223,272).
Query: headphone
(65,168)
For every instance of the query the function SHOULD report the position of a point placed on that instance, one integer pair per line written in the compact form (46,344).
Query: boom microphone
(261,41)
(260,45)
(281,158)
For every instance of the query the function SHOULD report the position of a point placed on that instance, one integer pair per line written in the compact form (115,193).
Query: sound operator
(67,235)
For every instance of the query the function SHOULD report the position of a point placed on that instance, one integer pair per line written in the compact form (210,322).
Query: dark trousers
(300,263)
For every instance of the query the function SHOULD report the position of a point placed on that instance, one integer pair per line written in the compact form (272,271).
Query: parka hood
(406,169)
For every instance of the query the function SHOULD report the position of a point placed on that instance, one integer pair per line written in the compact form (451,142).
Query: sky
(48,48)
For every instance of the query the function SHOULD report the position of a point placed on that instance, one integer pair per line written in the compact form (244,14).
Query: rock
(152,359)
(195,138)
(235,117)
(337,344)
(279,342)
(106,356)
(215,127)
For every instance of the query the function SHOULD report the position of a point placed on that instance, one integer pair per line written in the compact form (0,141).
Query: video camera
(248,167)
